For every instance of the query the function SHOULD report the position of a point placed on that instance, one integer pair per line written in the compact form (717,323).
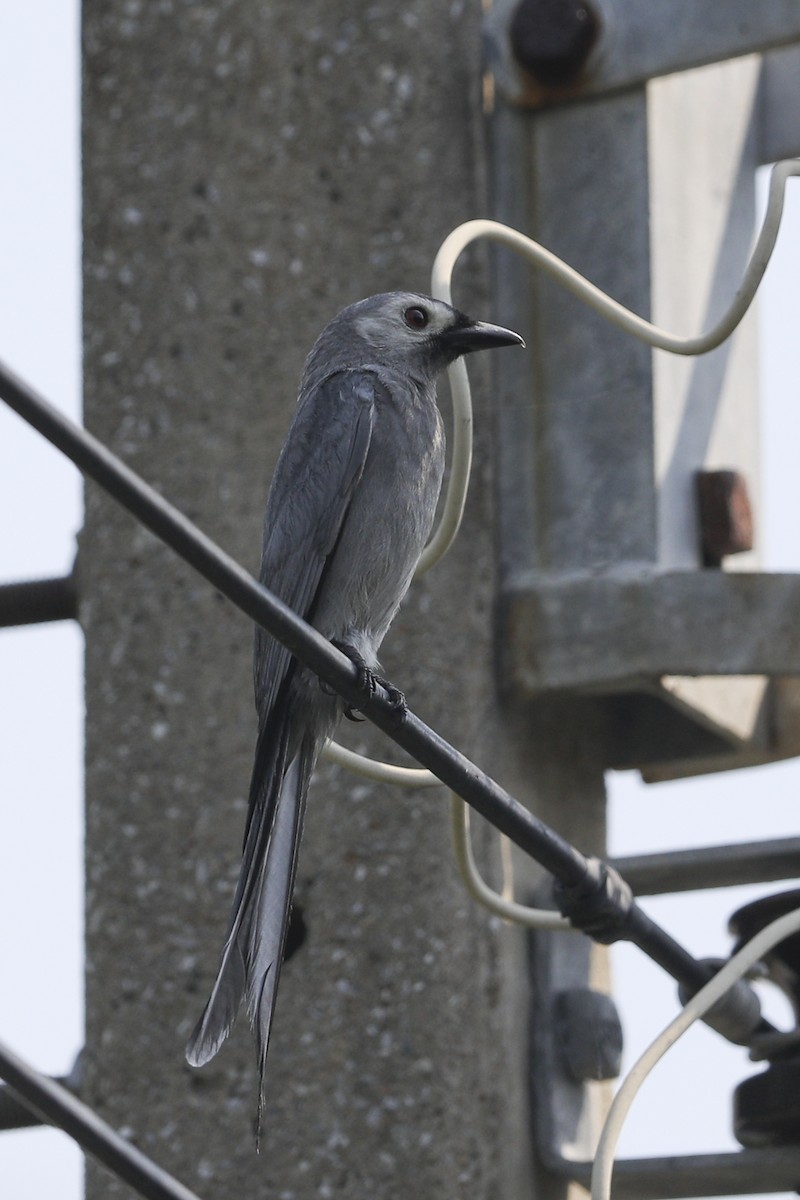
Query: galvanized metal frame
(606,612)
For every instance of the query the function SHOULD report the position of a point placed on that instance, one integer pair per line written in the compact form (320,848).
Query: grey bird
(349,511)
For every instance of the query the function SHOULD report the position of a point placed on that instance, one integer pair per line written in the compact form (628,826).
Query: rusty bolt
(552,39)
(726,517)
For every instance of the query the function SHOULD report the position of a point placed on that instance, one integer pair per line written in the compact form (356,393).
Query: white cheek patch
(389,333)
(374,330)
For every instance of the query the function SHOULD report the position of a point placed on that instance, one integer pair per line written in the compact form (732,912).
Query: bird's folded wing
(317,473)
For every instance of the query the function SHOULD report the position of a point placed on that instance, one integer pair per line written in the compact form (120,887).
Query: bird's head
(407,331)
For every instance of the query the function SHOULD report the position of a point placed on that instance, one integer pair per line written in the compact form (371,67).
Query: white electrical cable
(419,777)
(532,918)
(736,968)
(460,467)
(457,241)
(461,454)
(381,772)
(441,287)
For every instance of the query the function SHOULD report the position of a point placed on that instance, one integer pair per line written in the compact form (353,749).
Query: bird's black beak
(478,335)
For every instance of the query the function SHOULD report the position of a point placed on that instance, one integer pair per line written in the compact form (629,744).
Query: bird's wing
(320,466)
(318,470)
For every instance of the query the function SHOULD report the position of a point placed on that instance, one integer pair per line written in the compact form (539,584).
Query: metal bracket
(639,644)
(633,41)
(564,1060)
(603,630)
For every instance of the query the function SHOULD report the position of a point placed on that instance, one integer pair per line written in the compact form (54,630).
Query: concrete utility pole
(249,169)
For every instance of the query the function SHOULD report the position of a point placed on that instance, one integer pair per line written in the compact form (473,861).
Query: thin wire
(55,1103)
(735,969)
(381,772)
(56,1106)
(571,868)
(475,885)
(460,466)
(461,455)
(305,642)
(441,287)
(509,910)
(561,859)
(457,241)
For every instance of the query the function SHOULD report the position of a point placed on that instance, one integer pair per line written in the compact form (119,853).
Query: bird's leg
(365,676)
(367,682)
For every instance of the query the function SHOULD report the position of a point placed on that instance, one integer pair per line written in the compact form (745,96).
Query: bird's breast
(388,523)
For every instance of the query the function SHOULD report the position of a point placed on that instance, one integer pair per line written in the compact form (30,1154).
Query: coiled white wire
(461,461)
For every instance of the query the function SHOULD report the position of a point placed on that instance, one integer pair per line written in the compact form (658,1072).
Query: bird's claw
(368,681)
(394,698)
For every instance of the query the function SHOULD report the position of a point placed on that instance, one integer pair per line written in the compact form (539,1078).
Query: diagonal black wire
(594,897)
(56,1106)
(576,875)
(177,531)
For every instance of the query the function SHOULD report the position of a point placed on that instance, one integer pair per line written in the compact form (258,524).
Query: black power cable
(590,892)
(54,1105)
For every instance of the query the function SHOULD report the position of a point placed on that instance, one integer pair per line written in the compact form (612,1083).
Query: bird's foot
(395,699)
(368,681)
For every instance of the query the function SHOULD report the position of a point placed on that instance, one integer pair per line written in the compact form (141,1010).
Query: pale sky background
(685,1107)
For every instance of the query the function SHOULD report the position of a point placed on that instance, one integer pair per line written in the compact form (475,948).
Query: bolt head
(552,39)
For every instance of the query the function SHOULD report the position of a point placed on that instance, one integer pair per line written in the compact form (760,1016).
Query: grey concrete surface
(248,169)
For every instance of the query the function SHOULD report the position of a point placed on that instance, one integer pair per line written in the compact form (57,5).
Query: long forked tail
(230,984)
(267,932)
(253,951)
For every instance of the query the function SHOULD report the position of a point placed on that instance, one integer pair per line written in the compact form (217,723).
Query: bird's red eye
(416,318)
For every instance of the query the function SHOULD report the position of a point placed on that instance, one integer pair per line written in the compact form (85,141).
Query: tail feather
(268,928)
(230,984)
(223,1004)
(271,908)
